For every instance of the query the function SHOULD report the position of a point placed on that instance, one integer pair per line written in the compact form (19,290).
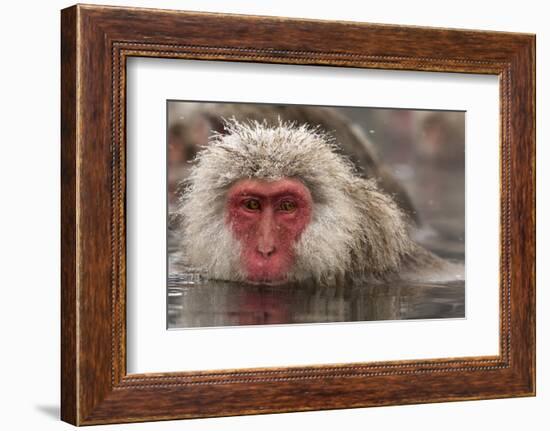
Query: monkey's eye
(252,204)
(287,206)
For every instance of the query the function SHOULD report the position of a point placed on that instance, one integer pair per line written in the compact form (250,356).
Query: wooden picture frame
(95,43)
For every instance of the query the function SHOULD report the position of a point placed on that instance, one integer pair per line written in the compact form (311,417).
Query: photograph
(286,214)
(265,213)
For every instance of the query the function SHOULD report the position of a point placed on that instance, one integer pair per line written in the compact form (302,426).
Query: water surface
(193,302)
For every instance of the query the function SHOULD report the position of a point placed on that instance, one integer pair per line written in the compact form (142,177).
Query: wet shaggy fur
(356,231)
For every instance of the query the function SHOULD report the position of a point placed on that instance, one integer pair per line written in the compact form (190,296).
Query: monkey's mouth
(268,272)
(267,282)
(266,279)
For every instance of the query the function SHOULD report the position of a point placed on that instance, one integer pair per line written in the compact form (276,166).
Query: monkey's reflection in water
(215,303)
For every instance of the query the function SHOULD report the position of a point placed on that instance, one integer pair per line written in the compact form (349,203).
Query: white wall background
(29,227)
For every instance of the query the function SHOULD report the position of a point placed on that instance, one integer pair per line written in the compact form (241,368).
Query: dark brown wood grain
(68,217)
(95,42)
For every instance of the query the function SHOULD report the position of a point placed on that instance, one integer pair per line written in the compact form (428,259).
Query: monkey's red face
(267,218)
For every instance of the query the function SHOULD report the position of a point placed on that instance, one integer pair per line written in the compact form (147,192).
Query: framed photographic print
(263,214)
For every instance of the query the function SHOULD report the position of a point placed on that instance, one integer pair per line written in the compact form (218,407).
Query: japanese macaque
(277,204)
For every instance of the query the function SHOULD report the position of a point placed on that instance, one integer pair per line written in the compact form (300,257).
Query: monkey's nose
(266,250)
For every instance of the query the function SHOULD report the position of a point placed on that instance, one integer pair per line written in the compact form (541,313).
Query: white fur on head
(355,229)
